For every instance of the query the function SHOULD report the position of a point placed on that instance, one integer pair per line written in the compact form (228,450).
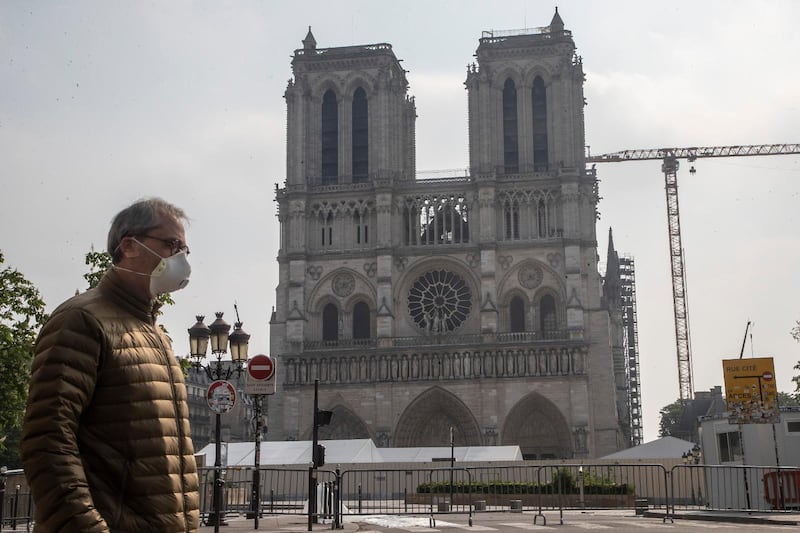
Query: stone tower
(421,305)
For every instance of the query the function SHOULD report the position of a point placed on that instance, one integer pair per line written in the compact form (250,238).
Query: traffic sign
(260,367)
(750,390)
(260,378)
(221,396)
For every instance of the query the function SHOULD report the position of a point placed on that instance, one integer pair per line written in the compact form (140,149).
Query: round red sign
(767,375)
(260,367)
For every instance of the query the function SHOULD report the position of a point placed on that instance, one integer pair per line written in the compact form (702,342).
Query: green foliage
(670,418)
(786,400)
(564,482)
(21,316)
(99,263)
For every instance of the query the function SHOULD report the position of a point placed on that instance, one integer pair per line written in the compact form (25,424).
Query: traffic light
(319,456)
(323,418)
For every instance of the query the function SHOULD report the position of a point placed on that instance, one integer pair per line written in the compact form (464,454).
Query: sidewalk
(295,522)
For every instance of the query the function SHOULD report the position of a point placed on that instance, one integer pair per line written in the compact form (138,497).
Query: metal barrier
(735,488)
(467,490)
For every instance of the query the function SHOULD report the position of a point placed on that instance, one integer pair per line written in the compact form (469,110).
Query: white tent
(354,451)
(663,448)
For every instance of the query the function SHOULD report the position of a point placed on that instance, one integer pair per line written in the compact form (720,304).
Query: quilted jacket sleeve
(64,373)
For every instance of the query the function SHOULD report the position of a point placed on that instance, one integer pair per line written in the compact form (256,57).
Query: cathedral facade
(471,304)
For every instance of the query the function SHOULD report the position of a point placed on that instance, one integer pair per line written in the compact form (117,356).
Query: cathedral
(466,306)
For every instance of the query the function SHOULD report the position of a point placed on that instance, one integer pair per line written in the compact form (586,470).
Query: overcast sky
(104,102)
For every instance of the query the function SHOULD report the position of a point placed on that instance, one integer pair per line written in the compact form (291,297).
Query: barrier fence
(469,489)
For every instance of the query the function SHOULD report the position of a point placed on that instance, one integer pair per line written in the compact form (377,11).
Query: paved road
(624,521)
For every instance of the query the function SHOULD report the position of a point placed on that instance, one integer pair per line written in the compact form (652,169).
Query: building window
(327,229)
(439,301)
(360,136)
(511,220)
(539,97)
(330,323)
(517,314)
(361,329)
(510,142)
(362,228)
(730,447)
(436,220)
(330,138)
(547,316)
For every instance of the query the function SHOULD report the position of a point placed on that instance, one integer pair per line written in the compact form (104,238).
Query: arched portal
(345,424)
(428,419)
(537,426)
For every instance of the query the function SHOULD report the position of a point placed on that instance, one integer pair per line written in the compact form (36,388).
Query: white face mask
(170,274)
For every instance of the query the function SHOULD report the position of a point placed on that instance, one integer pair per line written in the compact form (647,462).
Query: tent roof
(663,448)
(354,451)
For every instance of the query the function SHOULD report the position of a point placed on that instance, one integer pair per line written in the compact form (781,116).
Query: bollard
(516,506)
(271,500)
(480,505)
(405,500)
(15,509)
(640,506)
(359,498)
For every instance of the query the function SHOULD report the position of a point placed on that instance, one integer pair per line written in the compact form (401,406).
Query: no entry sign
(221,396)
(260,375)
(260,367)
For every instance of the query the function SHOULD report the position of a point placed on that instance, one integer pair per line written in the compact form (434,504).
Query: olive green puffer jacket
(105,442)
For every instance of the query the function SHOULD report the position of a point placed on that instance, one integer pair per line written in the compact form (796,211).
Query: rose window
(439,301)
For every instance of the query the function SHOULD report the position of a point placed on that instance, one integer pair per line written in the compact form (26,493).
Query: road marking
(525,525)
(589,525)
(645,525)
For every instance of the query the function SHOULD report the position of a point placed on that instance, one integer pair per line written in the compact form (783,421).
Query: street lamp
(217,334)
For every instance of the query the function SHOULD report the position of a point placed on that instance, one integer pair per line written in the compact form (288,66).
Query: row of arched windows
(538,125)
(330,137)
(546,324)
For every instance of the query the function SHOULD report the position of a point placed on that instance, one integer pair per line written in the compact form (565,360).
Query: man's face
(165,240)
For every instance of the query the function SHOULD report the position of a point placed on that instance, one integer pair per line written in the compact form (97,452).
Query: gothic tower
(472,303)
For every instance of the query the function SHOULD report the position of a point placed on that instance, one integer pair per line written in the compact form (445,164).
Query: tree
(786,399)
(21,316)
(670,419)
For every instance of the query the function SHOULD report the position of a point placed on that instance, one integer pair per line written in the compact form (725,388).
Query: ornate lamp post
(199,337)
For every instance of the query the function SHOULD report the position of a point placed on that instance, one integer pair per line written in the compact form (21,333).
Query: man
(106,444)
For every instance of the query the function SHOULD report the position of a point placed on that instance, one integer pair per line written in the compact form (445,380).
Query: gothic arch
(345,424)
(500,77)
(541,72)
(428,419)
(551,281)
(322,86)
(356,80)
(539,428)
(321,295)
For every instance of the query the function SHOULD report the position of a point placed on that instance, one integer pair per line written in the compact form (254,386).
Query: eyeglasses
(175,245)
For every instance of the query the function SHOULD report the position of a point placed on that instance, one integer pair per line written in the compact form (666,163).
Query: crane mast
(669,166)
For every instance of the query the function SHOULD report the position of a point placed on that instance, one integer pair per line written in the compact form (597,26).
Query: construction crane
(669,166)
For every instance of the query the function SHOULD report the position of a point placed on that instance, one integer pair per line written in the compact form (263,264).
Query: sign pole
(255,499)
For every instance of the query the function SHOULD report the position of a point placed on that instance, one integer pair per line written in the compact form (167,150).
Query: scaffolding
(627,275)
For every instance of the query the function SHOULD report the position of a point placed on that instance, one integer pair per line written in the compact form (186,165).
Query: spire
(556,25)
(612,259)
(611,281)
(309,43)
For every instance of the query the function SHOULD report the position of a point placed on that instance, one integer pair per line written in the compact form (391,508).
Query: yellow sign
(750,390)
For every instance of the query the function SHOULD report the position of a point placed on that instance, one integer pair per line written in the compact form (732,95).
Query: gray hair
(137,219)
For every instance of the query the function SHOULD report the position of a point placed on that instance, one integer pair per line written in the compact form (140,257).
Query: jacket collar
(112,286)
